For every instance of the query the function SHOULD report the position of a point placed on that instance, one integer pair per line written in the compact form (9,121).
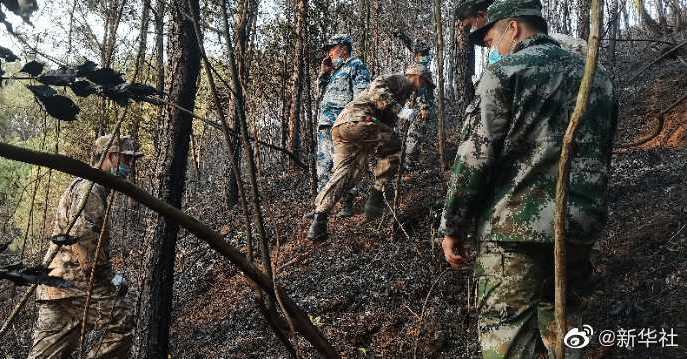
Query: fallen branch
(214,239)
(560,277)
(665,54)
(659,127)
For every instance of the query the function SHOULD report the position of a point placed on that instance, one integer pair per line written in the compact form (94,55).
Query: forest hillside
(223,99)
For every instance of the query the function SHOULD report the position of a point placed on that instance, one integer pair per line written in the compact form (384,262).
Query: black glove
(64,240)
(38,275)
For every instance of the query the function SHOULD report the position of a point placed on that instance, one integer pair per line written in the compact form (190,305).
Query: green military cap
(505,9)
(125,146)
(421,70)
(338,39)
(471,7)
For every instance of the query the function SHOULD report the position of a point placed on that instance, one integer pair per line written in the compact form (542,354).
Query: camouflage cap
(125,146)
(421,46)
(338,39)
(505,9)
(420,70)
(471,7)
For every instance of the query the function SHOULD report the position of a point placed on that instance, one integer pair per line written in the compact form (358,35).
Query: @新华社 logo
(577,339)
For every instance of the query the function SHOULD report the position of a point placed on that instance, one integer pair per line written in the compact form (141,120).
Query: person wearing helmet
(504,179)
(60,310)
(367,125)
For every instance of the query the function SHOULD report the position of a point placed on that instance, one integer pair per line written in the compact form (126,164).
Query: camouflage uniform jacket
(380,103)
(340,87)
(505,172)
(423,100)
(70,261)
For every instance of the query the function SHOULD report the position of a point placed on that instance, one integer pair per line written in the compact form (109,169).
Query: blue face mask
(494,54)
(122,171)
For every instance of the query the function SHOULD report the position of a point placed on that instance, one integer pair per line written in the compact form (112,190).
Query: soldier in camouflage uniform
(365,126)
(342,77)
(60,310)
(421,125)
(504,177)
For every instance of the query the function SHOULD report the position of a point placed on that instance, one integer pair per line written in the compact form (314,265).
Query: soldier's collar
(537,39)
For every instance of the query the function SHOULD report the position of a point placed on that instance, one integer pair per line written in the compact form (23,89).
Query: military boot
(318,227)
(374,207)
(346,206)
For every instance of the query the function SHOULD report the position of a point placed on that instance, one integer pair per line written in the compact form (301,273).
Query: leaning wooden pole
(564,174)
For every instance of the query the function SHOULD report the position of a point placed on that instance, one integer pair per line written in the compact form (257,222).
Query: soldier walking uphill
(60,310)
(342,77)
(504,177)
(366,125)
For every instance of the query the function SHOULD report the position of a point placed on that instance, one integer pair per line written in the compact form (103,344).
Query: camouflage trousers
(58,328)
(325,156)
(353,143)
(420,134)
(515,294)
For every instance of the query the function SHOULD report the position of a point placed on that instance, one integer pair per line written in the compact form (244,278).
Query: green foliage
(18,181)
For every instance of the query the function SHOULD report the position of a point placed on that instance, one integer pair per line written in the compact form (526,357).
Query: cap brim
(477,36)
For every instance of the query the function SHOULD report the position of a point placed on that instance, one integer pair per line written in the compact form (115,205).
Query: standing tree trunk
(184,59)
(297,81)
(310,141)
(583,19)
(465,68)
(451,73)
(440,85)
(614,22)
(244,17)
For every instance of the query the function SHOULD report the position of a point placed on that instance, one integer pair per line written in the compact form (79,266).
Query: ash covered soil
(375,292)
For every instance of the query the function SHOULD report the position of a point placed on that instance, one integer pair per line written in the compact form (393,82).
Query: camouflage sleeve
(384,99)
(88,224)
(360,79)
(323,81)
(426,101)
(476,156)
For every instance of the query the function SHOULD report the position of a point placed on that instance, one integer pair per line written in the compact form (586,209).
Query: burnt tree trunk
(583,19)
(184,60)
(244,18)
(451,72)
(465,68)
(614,21)
(297,81)
(441,142)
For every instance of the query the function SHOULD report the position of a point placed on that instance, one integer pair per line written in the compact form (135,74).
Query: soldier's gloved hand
(454,251)
(64,240)
(121,285)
